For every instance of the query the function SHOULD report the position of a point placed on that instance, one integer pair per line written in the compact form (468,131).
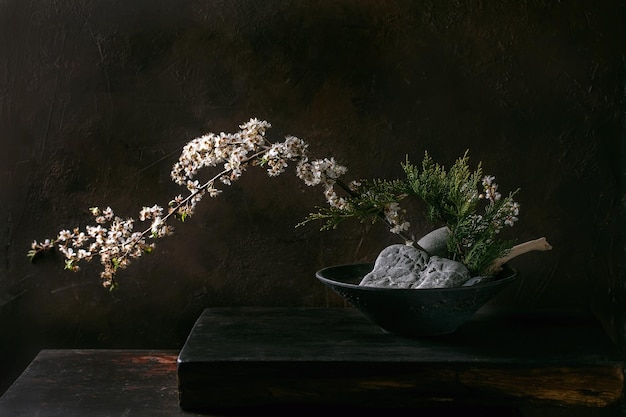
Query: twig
(540,244)
(409,240)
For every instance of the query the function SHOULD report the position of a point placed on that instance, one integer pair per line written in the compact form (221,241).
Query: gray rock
(436,242)
(442,273)
(397,266)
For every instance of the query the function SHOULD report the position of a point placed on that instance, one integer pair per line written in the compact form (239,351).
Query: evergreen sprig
(449,195)
(366,202)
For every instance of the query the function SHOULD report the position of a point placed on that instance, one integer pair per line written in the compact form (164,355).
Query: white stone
(397,266)
(442,273)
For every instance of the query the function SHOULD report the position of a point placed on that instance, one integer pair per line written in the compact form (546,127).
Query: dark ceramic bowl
(412,312)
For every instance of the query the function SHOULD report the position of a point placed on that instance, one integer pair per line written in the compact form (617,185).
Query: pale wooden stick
(540,244)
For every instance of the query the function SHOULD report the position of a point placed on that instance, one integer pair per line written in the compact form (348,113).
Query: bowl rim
(509,274)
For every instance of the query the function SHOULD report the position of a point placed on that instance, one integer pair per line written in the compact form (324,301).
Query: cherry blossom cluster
(114,240)
(507,211)
(498,213)
(394,216)
(323,172)
(491,189)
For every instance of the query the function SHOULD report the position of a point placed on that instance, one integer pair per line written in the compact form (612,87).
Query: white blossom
(490,188)
(393,215)
(321,171)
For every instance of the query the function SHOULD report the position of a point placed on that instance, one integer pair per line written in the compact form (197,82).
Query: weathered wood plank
(585,386)
(90,383)
(257,357)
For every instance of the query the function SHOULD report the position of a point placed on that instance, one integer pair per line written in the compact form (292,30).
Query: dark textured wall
(96,97)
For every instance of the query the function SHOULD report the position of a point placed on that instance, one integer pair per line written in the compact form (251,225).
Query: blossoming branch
(452,198)
(114,239)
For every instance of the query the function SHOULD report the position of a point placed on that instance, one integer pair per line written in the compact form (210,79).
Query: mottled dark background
(97,97)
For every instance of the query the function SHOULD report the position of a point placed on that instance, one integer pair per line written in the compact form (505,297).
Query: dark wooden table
(255,361)
(89,383)
(249,358)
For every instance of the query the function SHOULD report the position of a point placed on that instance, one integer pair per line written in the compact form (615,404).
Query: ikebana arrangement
(465,205)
